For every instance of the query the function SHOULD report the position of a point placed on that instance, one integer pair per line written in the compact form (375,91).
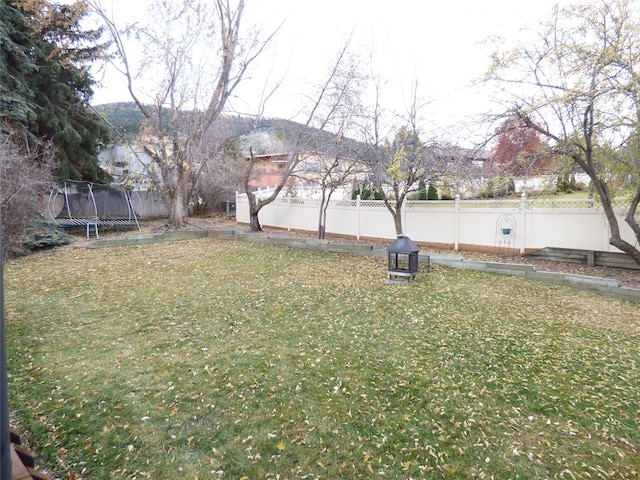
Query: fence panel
(342,217)
(435,220)
(477,224)
(147,204)
(481,228)
(375,220)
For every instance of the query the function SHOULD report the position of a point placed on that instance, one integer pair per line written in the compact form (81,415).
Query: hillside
(268,135)
(123,118)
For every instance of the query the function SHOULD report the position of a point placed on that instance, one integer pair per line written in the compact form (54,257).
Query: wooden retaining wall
(22,461)
(585,257)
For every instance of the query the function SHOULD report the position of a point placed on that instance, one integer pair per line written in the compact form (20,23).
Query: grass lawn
(209,359)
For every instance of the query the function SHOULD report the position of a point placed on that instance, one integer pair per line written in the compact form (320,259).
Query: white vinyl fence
(519,225)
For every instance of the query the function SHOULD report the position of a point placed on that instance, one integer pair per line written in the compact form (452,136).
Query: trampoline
(88,206)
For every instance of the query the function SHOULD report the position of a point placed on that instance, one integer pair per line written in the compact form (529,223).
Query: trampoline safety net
(74,204)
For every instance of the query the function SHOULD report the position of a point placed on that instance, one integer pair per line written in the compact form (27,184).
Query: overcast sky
(438,43)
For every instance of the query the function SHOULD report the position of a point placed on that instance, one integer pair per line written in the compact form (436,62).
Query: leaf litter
(218,359)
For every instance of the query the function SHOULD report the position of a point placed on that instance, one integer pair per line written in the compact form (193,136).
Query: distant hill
(268,135)
(123,118)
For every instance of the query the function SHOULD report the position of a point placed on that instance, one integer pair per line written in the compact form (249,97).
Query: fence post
(237,204)
(457,222)
(523,209)
(289,211)
(358,214)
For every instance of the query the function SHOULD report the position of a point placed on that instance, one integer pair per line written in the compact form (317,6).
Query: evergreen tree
(16,96)
(422,190)
(432,193)
(46,82)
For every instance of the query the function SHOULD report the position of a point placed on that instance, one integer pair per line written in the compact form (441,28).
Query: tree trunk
(322,227)
(616,239)
(607,205)
(177,209)
(176,215)
(254,209)
(626,247)
(397,221)
(322,217)
(254,222)
(396,213)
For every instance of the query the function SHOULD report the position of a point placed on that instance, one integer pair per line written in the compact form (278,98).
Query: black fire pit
(403,259)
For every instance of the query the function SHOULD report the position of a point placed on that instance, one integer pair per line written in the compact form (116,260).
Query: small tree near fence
(397,162)
(328,102)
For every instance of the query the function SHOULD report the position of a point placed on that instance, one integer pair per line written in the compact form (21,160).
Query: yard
(211,359)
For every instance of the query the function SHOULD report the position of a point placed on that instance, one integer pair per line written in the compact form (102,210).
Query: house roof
(274,157)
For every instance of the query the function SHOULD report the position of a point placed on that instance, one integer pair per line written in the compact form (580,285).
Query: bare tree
(197,58)
(577,86)
(398,167)
(222,176)
(333,167)
(335,174)
(326,109)
(397,164)
(25,177)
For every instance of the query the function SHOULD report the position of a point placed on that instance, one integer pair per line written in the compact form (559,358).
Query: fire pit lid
(403,244)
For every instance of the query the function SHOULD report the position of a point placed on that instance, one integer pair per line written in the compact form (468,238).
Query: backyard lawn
(211,359)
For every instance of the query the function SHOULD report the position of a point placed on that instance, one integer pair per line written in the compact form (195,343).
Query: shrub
(366,193)
(42,233)
(499,187)
(422,191)
(25,179)
(567,184)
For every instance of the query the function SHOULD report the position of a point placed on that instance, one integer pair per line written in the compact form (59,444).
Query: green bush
(44,234)
(567,184)
(366,193)
(422,191)
(499,188)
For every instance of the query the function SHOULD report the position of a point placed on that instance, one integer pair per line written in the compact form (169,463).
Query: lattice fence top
(431,204)
(492,203)
(315,202)
(618,203)
(371,203)
(498,203)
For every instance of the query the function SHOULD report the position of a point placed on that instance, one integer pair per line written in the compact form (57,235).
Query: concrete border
(604,286)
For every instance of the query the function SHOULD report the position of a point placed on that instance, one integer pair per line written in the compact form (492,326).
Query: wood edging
(22,460)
